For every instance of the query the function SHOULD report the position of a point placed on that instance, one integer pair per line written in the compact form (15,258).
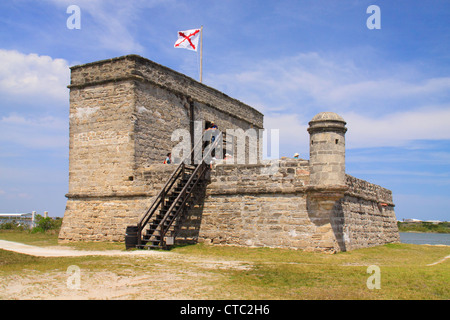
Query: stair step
(170,202)
(159,219)
(193,180)
(152,237)
(162,213)
(164,210)
(154,227)
(169,218)
(149,239)
(152,232)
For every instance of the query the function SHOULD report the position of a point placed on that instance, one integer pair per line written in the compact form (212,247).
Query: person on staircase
(168,159)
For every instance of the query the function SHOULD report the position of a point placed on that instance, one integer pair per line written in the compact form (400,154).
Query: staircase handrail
(146,217)
(169,184)
(181,195)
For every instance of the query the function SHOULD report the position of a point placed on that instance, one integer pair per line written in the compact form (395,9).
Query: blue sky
(288,59)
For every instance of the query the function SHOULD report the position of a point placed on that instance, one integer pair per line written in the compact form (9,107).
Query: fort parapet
(123,112)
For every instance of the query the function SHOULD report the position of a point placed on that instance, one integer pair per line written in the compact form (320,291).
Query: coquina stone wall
(246,207)
(103,216)
(151,101)
(123,112)
(369,217)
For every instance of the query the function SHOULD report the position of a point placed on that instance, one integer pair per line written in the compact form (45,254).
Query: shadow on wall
(337,224)
(327,215)
(189,227)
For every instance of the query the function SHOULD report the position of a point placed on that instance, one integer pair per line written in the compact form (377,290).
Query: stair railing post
(182,170)
(163,198)
(139,242)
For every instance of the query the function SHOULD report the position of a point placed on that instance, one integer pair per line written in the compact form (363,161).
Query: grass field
(225,272)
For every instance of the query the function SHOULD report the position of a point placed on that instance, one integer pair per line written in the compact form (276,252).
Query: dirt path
(70,252)
(146,275)
(440,261)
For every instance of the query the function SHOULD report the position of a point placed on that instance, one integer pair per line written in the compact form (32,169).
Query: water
(425,238)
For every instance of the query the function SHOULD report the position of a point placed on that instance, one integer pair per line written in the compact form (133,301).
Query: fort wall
(157,101)
(104,215)
(247,208)
(369,217)
(123,112)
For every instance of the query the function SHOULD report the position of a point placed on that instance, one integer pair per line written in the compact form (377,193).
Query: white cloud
(32,87)
(112,23)
(284,82)
(45,132)
(313,81)
(382,90)
(30,77)
(292,134)
(398,128)
(386,107)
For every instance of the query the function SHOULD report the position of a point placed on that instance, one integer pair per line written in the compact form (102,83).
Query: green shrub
(37,230)
(442,227)
(13,225)
(7,226)
(46,224)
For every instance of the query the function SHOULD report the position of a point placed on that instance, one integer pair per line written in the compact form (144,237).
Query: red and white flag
(188,39)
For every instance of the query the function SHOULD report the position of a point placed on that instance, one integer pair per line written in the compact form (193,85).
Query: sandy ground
(68,252)
(142,274)
(146,275)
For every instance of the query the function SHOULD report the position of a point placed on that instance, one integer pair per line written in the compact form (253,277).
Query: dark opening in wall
(337,141)
(131,178)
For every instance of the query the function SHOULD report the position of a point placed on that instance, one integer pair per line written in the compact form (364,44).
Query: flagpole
(201,53)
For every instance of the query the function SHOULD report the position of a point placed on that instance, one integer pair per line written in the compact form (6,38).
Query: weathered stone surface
(123,112)
(314,219)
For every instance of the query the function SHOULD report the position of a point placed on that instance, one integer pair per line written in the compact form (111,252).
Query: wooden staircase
(162,229)
(159,226)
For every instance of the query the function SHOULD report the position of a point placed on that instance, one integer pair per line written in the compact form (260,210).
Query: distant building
(433,221)
(19,218)
(412,220)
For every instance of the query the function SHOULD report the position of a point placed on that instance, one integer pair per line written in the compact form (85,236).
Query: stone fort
(123,112)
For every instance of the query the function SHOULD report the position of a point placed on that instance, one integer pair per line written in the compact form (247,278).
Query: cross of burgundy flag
(188,39)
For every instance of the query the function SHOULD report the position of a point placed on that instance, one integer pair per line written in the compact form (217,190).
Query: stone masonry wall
(173,81)
(123,112)
(249,208)
(136,68)
(101,150)
(244,207)
(104,217)
(158,102)
(369,217)
(158,113)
